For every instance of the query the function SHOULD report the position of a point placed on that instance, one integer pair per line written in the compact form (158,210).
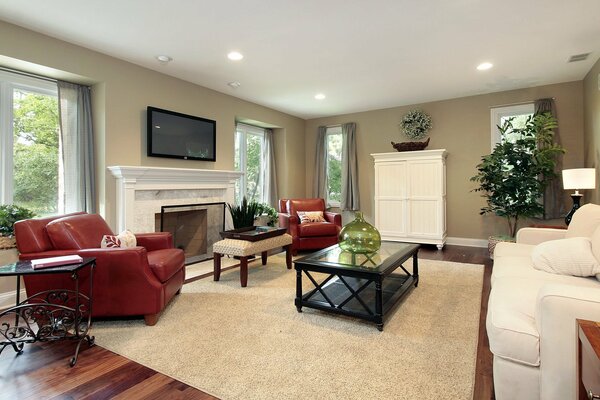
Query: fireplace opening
(195,228)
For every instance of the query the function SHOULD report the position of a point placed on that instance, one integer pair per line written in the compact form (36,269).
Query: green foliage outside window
(334,167)
(35,152)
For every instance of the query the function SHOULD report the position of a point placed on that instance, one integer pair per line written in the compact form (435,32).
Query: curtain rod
(28,74)
(333,126)
(517,104)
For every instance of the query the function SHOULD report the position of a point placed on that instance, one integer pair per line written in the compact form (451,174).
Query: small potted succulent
(9,214)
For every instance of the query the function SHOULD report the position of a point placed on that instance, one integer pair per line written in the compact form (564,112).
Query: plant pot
(7,242)
(494,240)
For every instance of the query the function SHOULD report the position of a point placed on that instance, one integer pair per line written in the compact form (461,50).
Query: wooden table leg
(264,255)
(216,266)
(244,271)
(288,256)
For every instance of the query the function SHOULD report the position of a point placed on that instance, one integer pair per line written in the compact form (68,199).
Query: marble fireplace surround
(141,191)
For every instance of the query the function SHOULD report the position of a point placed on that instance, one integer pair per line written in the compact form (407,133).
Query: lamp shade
(579,178)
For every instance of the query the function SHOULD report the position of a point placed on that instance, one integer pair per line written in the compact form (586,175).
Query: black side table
(49,315)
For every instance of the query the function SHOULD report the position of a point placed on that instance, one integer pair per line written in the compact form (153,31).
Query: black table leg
(416,269)
(379,303)
(299,290)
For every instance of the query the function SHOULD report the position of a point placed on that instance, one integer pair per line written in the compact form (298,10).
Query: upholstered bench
(243,249)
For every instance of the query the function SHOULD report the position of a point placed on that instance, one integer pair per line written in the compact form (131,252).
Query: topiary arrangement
(415,124)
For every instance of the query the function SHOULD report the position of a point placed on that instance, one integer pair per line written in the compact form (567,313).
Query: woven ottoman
(244,248)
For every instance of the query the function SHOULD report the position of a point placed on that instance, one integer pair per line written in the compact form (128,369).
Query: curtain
(269,176)
(320,178)
(554,202)
(350,194)
(77,180)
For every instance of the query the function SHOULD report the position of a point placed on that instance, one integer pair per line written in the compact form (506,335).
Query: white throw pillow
(123,239)
(585,221)
(571,256)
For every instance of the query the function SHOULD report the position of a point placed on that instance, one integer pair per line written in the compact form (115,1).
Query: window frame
(497,113)
(8,83)
(332,131)
(244,130)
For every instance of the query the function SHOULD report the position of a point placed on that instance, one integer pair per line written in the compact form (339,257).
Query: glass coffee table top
(334,256)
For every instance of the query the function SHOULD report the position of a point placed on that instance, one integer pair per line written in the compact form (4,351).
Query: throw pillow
(571,256)
(311,216)
(123,239)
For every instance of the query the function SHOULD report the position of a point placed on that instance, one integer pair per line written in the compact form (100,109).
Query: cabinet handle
(591,395)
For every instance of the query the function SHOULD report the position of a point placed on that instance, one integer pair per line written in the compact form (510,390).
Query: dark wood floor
(42,371)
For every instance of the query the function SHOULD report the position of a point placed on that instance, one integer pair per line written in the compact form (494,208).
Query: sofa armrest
(334,218)
(155,241)
(538,235)
(557,307)
(290,222)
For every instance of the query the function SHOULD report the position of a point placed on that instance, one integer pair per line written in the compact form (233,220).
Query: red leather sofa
(127,281)
(309,235)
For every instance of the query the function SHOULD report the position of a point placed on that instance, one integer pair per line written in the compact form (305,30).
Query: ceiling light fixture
(164,59)
(234,84)
(319,96)
(484,66)
(235,56)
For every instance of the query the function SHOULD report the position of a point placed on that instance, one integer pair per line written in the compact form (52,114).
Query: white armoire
(410,196)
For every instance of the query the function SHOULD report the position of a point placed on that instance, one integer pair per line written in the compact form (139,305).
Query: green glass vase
(359,236)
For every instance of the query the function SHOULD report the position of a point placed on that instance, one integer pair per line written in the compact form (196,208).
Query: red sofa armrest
(155,241)
(290,222)
(334,218)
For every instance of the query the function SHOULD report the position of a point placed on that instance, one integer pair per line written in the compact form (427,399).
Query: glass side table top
(334,256)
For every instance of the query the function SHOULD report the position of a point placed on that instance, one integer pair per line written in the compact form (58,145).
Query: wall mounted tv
(175,135)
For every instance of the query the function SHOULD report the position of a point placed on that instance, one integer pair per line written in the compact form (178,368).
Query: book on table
(56,261)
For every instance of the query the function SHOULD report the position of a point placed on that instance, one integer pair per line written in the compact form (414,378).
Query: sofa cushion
(295,205)
(513,249)
(571,256)
(307,229)
(510,322)
(77,232)
(31,234)
(584,222)
(165,263)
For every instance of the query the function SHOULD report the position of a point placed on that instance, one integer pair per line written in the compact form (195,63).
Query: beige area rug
(251,343)
(205,267)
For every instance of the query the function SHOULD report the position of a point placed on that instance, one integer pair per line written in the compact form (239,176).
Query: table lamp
(578,179)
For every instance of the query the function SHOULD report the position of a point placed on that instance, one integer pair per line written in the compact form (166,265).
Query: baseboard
(7,299)
(467,242)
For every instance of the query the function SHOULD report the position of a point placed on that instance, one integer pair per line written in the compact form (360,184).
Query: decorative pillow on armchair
(123,239)
(311,216)
(571,256)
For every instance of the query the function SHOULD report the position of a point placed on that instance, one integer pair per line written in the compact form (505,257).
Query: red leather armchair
(309,235)
(127,281)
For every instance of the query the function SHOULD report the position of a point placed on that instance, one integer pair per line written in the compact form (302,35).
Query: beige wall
(121,92)
(591,109)
(461,126)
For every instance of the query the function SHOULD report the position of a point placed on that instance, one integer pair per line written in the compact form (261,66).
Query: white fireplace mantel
(141,191)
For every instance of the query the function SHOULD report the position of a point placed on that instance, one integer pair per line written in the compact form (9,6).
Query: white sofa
(531,315)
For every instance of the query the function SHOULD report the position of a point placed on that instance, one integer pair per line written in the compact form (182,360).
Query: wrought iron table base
(49,315)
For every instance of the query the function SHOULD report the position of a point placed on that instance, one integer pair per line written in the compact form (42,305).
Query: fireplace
(195,227)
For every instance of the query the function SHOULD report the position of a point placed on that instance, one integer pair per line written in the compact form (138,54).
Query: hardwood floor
(42,371)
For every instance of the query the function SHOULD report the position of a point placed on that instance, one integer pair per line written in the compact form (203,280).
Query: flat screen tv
(175,135)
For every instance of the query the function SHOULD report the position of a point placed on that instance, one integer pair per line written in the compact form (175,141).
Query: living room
(122,88)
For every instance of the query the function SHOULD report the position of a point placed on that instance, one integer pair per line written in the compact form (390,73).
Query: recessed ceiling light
(484,66)
(234,84)
(235,56)
(319,96)
(164,59)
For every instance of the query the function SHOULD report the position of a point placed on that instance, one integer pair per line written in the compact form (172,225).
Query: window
(499,115)
(334,140)
(248,158)
(30,142)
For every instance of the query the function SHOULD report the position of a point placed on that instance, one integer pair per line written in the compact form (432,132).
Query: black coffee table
(359,285)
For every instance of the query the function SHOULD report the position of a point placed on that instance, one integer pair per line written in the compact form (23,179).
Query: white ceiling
(362,54)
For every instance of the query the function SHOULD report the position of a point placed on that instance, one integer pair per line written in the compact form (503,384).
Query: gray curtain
(269,174)
(320,178)
(77,182)
(350,194)
(554,201)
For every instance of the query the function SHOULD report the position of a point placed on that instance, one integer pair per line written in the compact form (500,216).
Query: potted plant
(243,215)
(9,214)
(513,177)
(267,214)
(415,125)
